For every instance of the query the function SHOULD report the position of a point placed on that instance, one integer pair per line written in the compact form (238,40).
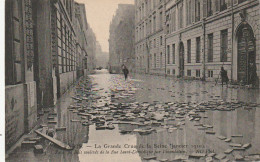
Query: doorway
(246,59)
(181,59)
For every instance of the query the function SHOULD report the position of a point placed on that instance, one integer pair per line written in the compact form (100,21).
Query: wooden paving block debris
(28,144)
(221,137)
(38,149)
(209,159)
(55,141)
(197,155)
(237,135)
(220,156)
(210,132)
(52,122)
(150,158)
(238,157)
(74,120)
(235,145)
(224,160)
(227,140)
(228,151)
(211,154)
(247,145)
(61,128)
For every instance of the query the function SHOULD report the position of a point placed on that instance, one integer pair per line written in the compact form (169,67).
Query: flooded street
(149,118)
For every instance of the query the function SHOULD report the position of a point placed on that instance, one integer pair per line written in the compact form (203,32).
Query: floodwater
(241,126)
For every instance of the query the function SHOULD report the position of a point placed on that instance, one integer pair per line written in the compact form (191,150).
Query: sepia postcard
(131,80)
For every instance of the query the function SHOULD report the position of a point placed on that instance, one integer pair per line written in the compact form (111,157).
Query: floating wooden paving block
(55,141)
(28,143)
(211,154)
(149,158)
(225,160)
(74,120)
(228,151)
(50,117)
(220,156)
(209,159)
(210,132)
(61,128)
(52,122)
(247,145)
(238,148)
(237,135)
(221,137)
(228,140)
(235,145)
(238,157)
(197,155)
(37,139)
(202,128)
(38,149)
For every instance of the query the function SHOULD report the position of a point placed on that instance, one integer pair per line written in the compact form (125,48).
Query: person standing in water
(125,71)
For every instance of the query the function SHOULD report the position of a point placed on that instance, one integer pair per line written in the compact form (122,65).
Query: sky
(99,15)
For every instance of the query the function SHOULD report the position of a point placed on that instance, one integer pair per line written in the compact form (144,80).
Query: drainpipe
(232,42)
(165,46)
(204,51)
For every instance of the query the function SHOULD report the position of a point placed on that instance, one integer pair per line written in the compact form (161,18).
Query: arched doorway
(246,55)
(181,59)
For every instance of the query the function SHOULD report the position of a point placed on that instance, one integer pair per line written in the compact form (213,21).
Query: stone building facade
(121,39)
(149,36)
(200,37)
(204,35)
(46,51)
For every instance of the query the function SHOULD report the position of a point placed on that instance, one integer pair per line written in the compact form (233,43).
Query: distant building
(101,57)
(149,36)
(91,50)
(121,39)
(46,52)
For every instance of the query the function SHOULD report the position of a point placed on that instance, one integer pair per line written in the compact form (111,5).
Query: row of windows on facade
(223,53)
(145,46)
(143,9)
(210,53)
(67,57)
(149,27)
(189,73)
(141,60)
(194,15)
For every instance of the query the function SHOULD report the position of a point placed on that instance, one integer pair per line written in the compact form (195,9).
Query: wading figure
(125,71)
(224,77)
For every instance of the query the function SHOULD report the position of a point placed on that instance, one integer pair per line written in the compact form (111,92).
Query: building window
(210,48)
(241,1)
(181,16)
(167,28)
(188,72)
(174,20)
(197,73)
(154,60)
(161,41)
(161,20)
(223,5)
(154,43)
(197,10)
(189,51)
(224,45)
(168,71)
(173,72)
(198,50)
(173,54)
(209,7)
(154,23)
(188,12)
(168,54)
(210,73)
(161,63)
